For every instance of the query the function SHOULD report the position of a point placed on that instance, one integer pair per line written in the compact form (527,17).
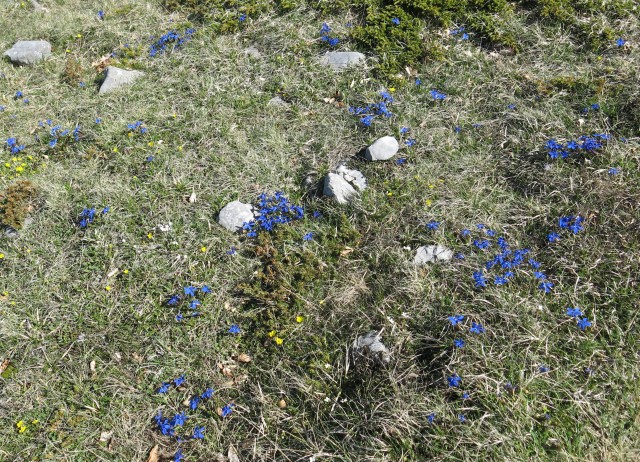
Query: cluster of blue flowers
(13,146)
(437,95)
(592,107)
(190,293)
(570,222)
(459,32)
(581,320)
(325,32)
(172,40)
(19,95)
(273,211)
(369,112)
(137,127)
(584,144)
(57,134)
(88,215)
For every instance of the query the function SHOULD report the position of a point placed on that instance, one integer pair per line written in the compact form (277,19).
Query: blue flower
(179,317)
(437,96)
(500,280)
(433,225)
(395,21)
(481,244)
(418,82)
(621,42)
(208,393)
(462,418)
(574,312)
(454,380)
(476,328)
(553,237)
(460,256)
(534,264)
(18,94)
(178,457)
(511,106)
(173,300)
(164,388)
(193,304)
(366,120)
(455,319)
(198,433)
(53,142)
(227,409)
(149,159)
(431,417)
(459,343)
(100,14)
(576,227)
(584,323)
(307,237)
(179,381)
(546,286)
(179,419)
(465,395)
(404,130)
(465,233)
(98,120)
(234,329)
(614,170)
(193,403)
(539,275)
(479,278)
(401,161)
(564,222)
(205,290)
(457,129)
(543,369)
(190,291)
(242,18)
(410,142)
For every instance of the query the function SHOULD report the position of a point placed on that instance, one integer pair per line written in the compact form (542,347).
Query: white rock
(355,177)
(339,188)
(277,101)
(234,215)
(371,345)
(29,52)
(382,149)
(431,253)
(253,52)
(116,77)
(342,59)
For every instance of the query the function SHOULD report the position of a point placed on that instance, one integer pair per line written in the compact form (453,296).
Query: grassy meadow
(87,336)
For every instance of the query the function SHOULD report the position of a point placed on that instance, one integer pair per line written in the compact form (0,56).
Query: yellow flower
(279,341)
(272,333)
(35,422)
(79,36)
(130,134)
(115,149)
(392,89)
(203,249)
(174,115)
(68,50)
(428,202)
(150,144)
(126,271)
(108,288)
(299,319)
(431,186)
(1,256)
(19,169)
(180,148)
(150,236)
(389,194)
(22,427)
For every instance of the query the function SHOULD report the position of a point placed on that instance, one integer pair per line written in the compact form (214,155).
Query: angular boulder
(370,346)
(116,77)
(343,185)
(382,149)
(342,59)
(234,215)
(432,253)
(28,52)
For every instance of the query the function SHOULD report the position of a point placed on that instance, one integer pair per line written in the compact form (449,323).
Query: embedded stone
(344,184)
(432,253)
(277,101)
(116,77)
(234,215)
(370,345)
(342,59)
(382,149)
(26,53)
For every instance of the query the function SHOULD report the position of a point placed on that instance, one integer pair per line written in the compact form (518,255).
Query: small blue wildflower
(227,409)
(479,278)
(149,159)
(465,395)
(574,312)
(433,225)
(194,304)
(460,256)
(455,319)
(164,388)
(437,96)
(395,21)
(511,106)
(481,244)
(459,343)
(179,419)
(18,95)
(576,227)
(404,130)
(53,142)
(614,170)
(242,18)
(317,214)
(553,237)
(418,82)
(100,14)
(465,36)
(98,120)
(173,300)
(198,433)
(546,286)
(205,290)
(410,142)
(564,222)
(454,380)
(208,393)
(193,403)
(584,323)
(457,129)
(542,368)
(476,328)
(190,291)
(465,232)
(431,417)
(462,418)
(178,457)
(179,381)
(534,264)
(401,161)
(179,317)
(366,120)
(231,251)
(308,237)
(499,280)
(234,329)
(621,42)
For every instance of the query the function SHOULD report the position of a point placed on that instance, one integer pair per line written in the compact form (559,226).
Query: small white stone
(234,215)
(342,59)
(116,77)
(382,149)
(432,253)
(339,188)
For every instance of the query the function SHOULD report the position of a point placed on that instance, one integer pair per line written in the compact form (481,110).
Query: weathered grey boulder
(234,215)
(370,346)
(277,101)
(253,52)
(382,149)
(344,184)
(26,53)
(116,77)
(432,253)
(342,59)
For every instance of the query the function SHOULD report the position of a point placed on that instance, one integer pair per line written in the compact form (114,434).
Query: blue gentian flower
(208,393)
(462,418)
(465,395)
(454,380)
(455,319)
(479,278)
(227,409)
(179,419)
(179,381)
(401,161)
(543,369)
(205,290)
(98,120)
(242,18)
(234,329)
(546,286)
(614,170)
(410,142)
(459,343)
(553,237)
(178,457)
(198,433)
(574,312)
(53,142)
(100,14)
(431,417)
(18,94)
(395,21)
(173,300)
(621,42)
(193,403)
(437,96)
(164,388)
(404,130)
(476,328)
(418,82)
(584,323)
(194,304)
(190,291)
(465,232)
(433,225)
(179,317)
(499,280)
(307,237)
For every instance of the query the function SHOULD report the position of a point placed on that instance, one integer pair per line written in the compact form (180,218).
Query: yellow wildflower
(203,249)
(108,288)
(1,256)
(150,236)
(279,341)
(126,271)
(272,333)
(299,319)
(22,427)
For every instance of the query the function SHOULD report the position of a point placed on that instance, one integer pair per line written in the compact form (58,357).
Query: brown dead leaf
(154,454)
(4,365)
(282,404)
(102,63)
(244,358)
(346,251)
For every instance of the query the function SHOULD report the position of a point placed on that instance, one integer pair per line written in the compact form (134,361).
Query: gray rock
(370,346)
(382,149)
(344,184)
(253,52)
(234,215)
(277,101)
(432,253)
(342,59)
(116,77)
(37,7)
(26,53)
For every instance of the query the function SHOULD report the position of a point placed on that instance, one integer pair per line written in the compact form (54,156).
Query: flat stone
(370,345)
(26,53)
(382,149)
(355,177)
(342,59)
(277,101)
(116,77)
(432,253)
(234,215)
(344,184)
(253,52)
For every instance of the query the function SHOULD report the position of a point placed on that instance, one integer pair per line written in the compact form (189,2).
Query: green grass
(212,134)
